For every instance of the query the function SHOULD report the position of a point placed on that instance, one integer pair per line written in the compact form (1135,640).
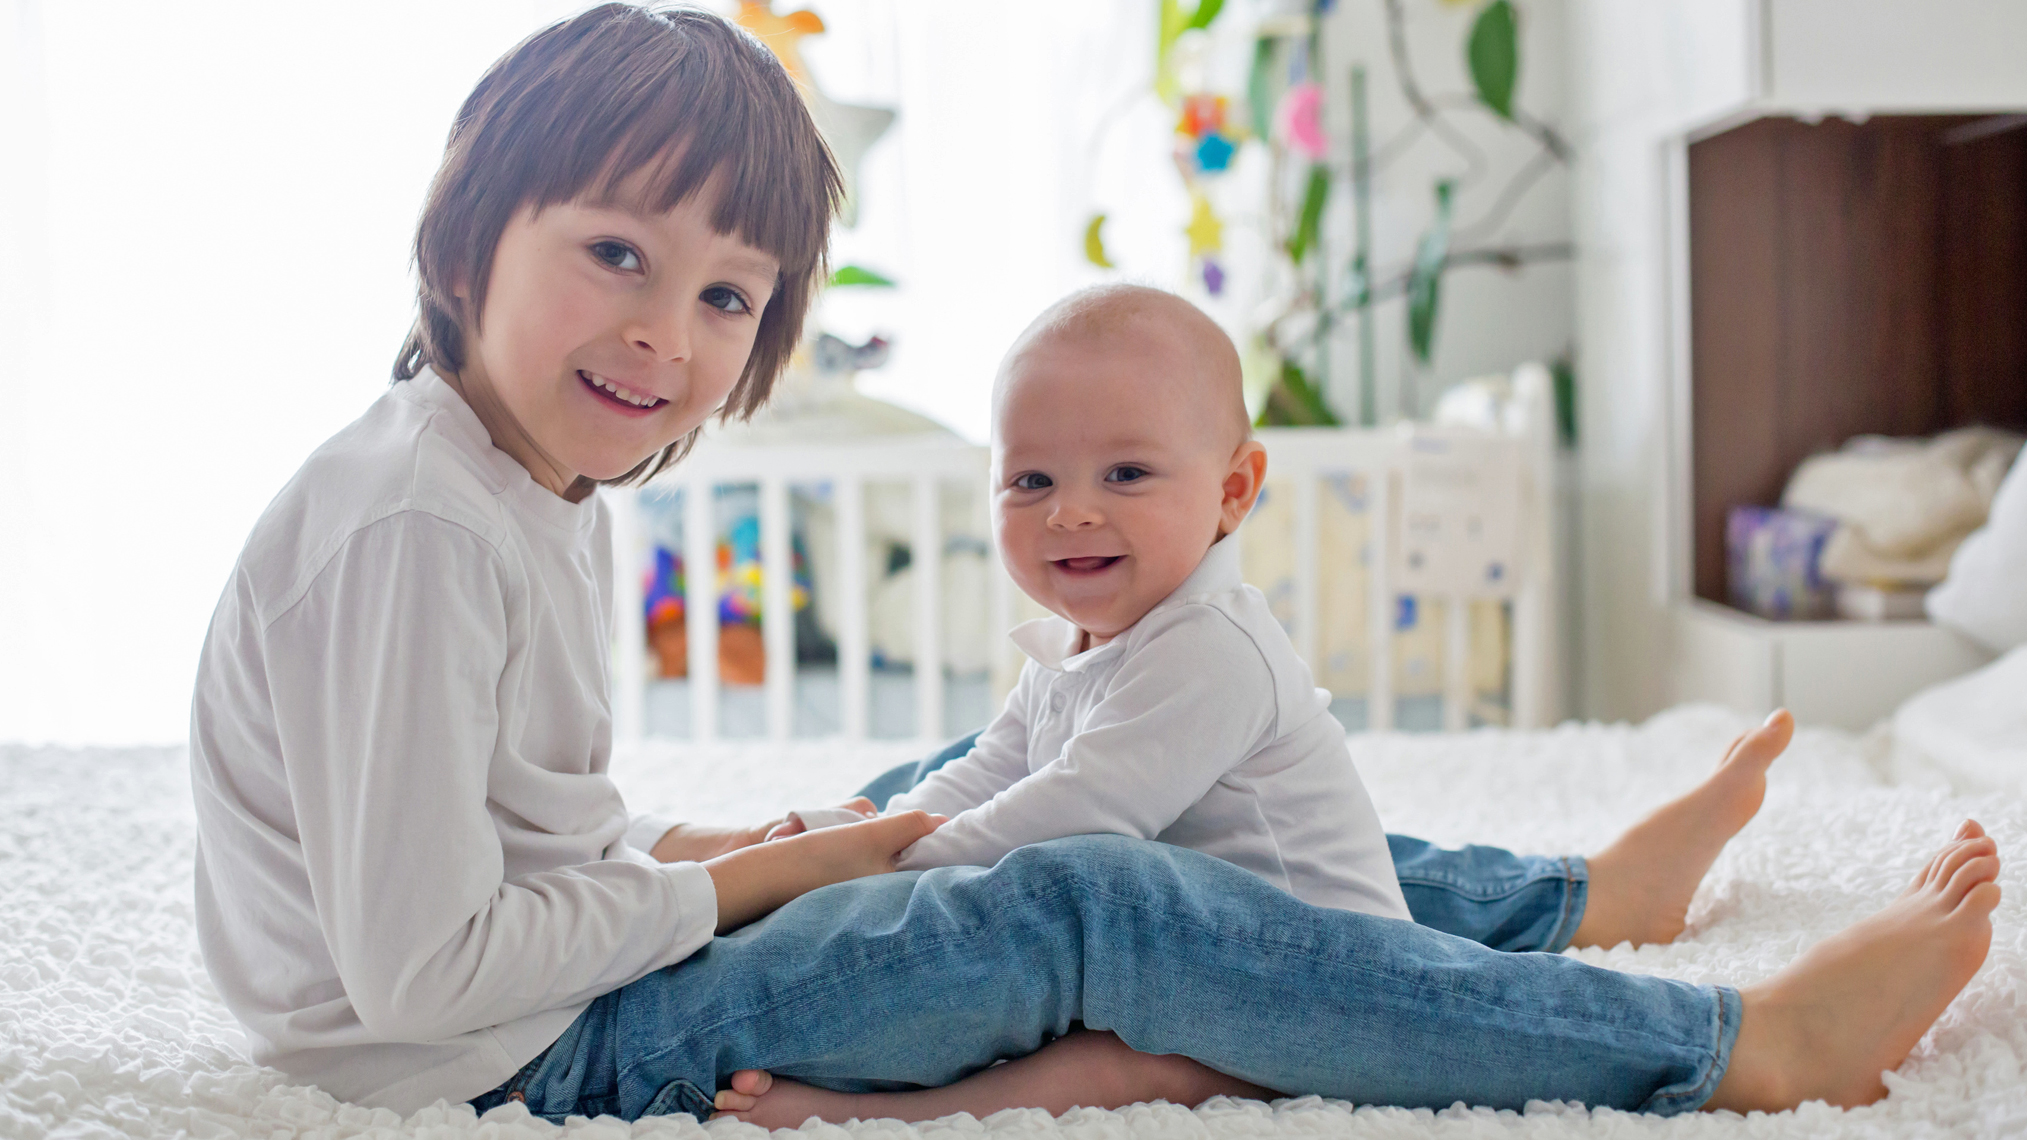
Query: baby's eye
(1125,473)
(1032,481)
(616,254)
(725,298)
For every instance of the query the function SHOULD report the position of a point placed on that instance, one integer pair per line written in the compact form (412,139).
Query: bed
(108,1025)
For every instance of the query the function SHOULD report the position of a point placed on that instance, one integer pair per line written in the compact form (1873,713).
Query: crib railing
(1387,460)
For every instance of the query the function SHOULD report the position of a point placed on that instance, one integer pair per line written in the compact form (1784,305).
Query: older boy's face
(609,334)
(1112,475)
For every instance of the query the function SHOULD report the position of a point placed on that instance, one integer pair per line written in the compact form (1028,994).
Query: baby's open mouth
(1087,565)
(618,394)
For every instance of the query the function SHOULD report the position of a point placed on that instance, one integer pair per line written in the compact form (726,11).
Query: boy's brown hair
(582,104)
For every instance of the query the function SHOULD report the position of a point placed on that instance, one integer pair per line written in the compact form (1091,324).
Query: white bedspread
(109,1026)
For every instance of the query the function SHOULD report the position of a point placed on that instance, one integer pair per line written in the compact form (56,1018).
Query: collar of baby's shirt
(1217,573)
(458,423)
(1051,642)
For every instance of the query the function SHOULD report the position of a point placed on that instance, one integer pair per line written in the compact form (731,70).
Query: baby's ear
(1242,485)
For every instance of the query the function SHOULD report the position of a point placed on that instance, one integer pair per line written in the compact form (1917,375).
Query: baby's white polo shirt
(1199,726)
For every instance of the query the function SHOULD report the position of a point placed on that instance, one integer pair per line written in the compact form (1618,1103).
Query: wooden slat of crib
(1457,664)
(629,635)
(926,560)
(777,607)
(1307,572)
(850,495)
(700,604)
(1379,698)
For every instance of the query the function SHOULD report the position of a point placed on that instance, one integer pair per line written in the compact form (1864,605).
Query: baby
(1164,701)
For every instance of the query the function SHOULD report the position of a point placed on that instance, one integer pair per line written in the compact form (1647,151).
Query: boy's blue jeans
(917,979)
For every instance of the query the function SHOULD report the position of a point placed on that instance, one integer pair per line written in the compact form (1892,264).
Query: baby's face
(1111,478)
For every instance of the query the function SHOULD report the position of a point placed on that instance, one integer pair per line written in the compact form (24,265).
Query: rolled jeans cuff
(1726,1011)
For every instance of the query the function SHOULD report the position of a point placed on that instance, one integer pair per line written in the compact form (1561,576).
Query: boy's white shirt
(1198,726)
(413,872)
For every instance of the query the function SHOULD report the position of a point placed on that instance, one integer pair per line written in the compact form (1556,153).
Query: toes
(1970,829)
(1981,900)
(1957,854)
(752,1082)
(1982,869)
(729,1101)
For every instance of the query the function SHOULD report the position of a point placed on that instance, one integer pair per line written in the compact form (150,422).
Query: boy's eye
(616,254)
(726,298)
(1125,473)
(1032,481)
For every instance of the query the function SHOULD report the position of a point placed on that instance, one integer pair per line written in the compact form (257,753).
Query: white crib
(1451,514)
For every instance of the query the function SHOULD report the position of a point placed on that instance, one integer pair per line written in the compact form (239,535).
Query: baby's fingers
(860,804)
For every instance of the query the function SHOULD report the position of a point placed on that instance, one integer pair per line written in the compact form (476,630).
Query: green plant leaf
(1206,11)
(1294,401)
(859,275)
(1309,223)
(1260,87)
(1426,279)
(1494,54)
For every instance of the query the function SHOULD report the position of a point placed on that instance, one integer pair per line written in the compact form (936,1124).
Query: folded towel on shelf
(1902,505)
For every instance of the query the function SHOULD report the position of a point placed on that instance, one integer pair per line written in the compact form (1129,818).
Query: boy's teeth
(628,395)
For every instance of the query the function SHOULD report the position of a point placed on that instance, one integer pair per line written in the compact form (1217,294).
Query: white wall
(1639,73)
(207,209)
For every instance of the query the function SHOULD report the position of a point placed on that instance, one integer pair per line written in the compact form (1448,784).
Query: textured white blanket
(108,1025)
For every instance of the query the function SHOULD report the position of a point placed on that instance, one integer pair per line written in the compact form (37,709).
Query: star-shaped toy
(1206,232)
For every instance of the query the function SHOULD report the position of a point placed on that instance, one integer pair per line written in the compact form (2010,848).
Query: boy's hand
(755,880)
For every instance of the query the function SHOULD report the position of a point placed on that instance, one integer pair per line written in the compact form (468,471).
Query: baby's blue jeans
(917,979)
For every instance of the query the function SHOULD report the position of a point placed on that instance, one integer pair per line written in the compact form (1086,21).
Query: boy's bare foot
(1091,1069)
(1855,1004)
(1641,885)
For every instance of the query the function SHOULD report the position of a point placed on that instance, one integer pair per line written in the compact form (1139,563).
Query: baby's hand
(854,850)
(795,824)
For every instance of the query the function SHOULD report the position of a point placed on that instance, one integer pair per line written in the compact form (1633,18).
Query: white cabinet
(1842,674)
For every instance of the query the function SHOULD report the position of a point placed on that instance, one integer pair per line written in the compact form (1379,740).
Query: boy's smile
(610,333)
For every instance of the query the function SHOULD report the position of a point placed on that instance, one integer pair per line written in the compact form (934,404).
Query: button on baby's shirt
(1056,700)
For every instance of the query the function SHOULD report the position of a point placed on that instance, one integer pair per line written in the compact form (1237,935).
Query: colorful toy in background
(742,655)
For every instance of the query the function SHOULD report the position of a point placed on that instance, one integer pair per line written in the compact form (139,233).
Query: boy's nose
(662,332)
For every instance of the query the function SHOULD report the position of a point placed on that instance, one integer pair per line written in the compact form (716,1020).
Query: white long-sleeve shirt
(1198,726)
(412,870)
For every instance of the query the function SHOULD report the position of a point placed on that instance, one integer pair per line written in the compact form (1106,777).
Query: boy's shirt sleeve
(385,679)
(998,759)
(1193,701)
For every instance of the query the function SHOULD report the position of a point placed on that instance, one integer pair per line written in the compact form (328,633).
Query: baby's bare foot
(1641,885)
(1857,1003)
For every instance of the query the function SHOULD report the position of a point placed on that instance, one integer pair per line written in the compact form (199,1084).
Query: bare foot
(1641,885)
(1091,1069)
(1855,1004)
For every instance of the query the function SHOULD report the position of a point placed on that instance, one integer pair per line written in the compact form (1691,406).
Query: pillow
(1973,727)
(1985,596)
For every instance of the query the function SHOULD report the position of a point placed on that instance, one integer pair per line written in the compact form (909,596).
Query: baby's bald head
(1184,359)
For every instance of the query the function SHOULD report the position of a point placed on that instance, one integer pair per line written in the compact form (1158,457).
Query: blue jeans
(917,979)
